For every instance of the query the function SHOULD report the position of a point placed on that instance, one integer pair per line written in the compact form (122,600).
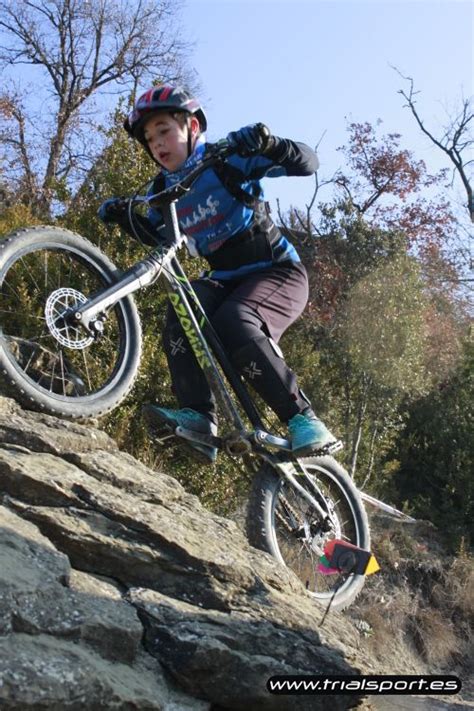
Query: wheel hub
(60,302)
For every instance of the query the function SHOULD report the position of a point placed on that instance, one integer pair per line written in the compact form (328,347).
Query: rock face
(118,590)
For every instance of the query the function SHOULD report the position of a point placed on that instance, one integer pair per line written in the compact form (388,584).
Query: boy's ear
(194,126)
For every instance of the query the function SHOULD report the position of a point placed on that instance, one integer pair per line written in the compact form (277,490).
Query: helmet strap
(190,138)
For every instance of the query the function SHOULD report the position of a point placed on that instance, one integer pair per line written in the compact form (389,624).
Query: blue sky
(305,66)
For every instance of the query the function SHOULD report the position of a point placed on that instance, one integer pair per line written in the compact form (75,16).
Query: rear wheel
(281,522)
(48,364)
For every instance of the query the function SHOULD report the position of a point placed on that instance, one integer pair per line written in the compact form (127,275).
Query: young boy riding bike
(256,287)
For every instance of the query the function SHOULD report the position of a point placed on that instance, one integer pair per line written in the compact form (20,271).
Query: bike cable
(135,225)
(350,571)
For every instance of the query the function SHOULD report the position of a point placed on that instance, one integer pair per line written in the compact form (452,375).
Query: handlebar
(219,152)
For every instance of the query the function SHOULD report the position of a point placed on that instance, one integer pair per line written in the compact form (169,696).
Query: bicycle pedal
(332,448)
(162,435)
(328,449)
(163,440)
(198,437)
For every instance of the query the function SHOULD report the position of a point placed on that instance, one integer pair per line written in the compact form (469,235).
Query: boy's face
(167,139)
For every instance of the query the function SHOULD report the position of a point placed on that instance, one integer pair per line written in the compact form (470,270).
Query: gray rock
(122,591)
(34,598)
(30,566)
(126,473)
(44,433)
(107,530)
(47,673)
(211,653)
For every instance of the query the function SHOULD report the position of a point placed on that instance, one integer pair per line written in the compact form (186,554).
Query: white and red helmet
(162,98)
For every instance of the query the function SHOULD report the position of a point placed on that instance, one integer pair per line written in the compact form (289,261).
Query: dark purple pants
(250,315)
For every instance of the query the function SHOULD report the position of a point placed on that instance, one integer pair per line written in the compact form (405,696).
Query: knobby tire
(38,370)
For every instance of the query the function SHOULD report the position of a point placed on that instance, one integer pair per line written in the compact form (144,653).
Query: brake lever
(221,149)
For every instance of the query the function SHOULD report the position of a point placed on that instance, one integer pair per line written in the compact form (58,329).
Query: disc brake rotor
(58,303)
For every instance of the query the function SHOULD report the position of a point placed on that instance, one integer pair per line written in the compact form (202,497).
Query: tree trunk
(357,436)
(371,456)
(46,195)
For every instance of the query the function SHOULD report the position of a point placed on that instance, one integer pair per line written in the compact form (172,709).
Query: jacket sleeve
(147,229)
(283,157)
(297,158)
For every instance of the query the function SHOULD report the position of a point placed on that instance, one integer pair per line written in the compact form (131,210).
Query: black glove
(113,210)
(250,140)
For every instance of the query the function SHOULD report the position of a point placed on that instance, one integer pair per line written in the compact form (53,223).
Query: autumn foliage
(388,187)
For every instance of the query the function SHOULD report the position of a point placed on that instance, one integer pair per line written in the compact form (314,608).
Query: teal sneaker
(156,417)
(308,433)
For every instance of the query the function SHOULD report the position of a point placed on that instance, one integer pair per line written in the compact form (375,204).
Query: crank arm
(235,443)
(163,439)
(262,437)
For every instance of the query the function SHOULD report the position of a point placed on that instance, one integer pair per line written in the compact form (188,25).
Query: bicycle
(66,306)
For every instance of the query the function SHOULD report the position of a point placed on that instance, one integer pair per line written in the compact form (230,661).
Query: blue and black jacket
(236,236)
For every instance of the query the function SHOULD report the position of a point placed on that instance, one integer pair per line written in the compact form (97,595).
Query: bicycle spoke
(68,280)
(28,271)
(52,376)
(62,372)
(45,272)
(6,283)
(29,361)
(303,534)
(9,311)
(39,338)
(87,369)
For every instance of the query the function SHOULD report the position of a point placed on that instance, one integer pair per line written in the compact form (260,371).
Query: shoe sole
(312,449)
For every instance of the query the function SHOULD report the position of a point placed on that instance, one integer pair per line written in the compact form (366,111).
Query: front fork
(92,314)
(287,469)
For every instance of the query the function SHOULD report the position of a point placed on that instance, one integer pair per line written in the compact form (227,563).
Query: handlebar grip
(265,133)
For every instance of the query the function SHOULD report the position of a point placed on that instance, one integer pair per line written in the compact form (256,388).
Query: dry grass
(386,611)
(435,637)
(457,590)
(420,607)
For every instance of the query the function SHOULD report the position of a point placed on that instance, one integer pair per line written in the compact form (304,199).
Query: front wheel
(46,363)
(280,521)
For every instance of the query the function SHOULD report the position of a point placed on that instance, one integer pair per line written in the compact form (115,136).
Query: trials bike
(66,308)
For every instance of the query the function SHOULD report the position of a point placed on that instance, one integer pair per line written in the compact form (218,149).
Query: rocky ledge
(118,590)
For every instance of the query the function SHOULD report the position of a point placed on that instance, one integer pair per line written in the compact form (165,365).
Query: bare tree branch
(12,114)
(456,139)
(84,46)
(343,183)
(308,228)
